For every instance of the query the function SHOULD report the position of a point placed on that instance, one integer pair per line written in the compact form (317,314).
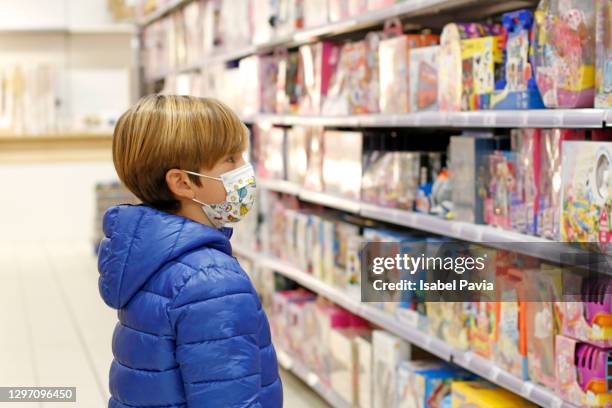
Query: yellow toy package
(479,394)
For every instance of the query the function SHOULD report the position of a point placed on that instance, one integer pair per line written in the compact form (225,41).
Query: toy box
(344,369)
(394,70)
(502,207)
(479,394)
(517,89)
(315,12)
(388,352)
(302,258)
(603,71)
(481,58)
(342,163)
(483,328)
(467,164)
(343,232)
(352,283)
(451,81)
(423,86)
(425,383)
(449,321)
(510,347)
(270,156)
(338,10)
(583,373)
(294,330)
(526,143)
(314,174)
(363,346)
(564,44)
(586,193)
(549,186)
(297,153)
(543,318)
(318,62)
(280,313)
(590,319)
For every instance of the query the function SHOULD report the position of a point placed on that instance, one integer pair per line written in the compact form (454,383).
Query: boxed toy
(425,383)
(280,313)
(352,281)
(342,163)
(344,368)
(583,373)
(483,328)
(526,143)
(449,321)
(271,148)
(389,351)
(586,193)
(467,164)
(343,232)
(453,80)
(564,43)
(603,70)
(298,138)
(314,174)
(543,324)
(502,207)
(315,13)
(268,72)
(363,346)
(481,59)
(318,63)
(588,320)
(517,89)
(549,186)
(480,394)
(423,87)
(294,330)
(394,70)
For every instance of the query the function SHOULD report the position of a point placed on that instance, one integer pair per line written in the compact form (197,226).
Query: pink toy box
(564,42)
(583,373)
(603,71)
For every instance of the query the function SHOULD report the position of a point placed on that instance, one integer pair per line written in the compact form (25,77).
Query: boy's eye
(231,159)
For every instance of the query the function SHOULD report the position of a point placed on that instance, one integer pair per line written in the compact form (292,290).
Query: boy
(191,331)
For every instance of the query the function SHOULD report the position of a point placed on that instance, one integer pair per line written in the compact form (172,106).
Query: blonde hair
(164,132)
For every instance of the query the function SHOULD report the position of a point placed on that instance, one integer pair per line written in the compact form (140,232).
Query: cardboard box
(389,351)
(477,394)
(364,371)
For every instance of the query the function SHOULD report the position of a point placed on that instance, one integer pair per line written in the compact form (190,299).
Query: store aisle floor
(56,331)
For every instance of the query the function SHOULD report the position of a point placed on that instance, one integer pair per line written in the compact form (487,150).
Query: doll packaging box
(423,87)
(343,352)
(342,163)
(583,373)
(388,351)
(603,68)
(564,48)
(517,89)
(363,346)
(480,394)
(586,193)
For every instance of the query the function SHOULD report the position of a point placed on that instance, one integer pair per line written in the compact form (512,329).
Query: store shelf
(411,333)
(280,186)
(310,378)
(544,118)
(609,118)
(104,29)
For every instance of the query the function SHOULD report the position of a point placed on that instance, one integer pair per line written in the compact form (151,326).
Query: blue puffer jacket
(191,330)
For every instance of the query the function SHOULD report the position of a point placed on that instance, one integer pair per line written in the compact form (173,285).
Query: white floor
(54,328)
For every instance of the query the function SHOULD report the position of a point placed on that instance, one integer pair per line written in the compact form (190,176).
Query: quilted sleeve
(216,321)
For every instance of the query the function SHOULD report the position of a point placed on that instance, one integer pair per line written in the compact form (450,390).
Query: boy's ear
(179,184)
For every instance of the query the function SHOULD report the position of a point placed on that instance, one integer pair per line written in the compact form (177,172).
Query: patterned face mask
(240,187)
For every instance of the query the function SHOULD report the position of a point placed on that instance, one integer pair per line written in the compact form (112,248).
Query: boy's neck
(194,213)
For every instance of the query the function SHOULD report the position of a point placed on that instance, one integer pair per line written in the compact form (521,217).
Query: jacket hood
(139,240)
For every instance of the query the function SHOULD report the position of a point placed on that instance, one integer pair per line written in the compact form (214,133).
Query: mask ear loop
(203,175)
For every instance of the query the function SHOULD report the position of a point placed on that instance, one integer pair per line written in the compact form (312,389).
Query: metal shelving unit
(411,333)
(303,373)
(543,118)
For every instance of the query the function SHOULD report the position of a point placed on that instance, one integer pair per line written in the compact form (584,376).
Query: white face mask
(240,187)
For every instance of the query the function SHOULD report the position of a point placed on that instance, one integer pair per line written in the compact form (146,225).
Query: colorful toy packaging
(543,320)
(364,371)
(298,138)
(479,394)
(549,186)
(449,321)
(342,163)
(455,82)
(468,163)
(483,328)
(394,66)
(425,383)
(343,351)
(270,152)
(314,173)
(503,201)
(586,193)
(318,62)
(590,319)
(388,351)
(583,373)
(526,143)
(564,43)
(424,79)
(517,89)
(481,58)
(603,39)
